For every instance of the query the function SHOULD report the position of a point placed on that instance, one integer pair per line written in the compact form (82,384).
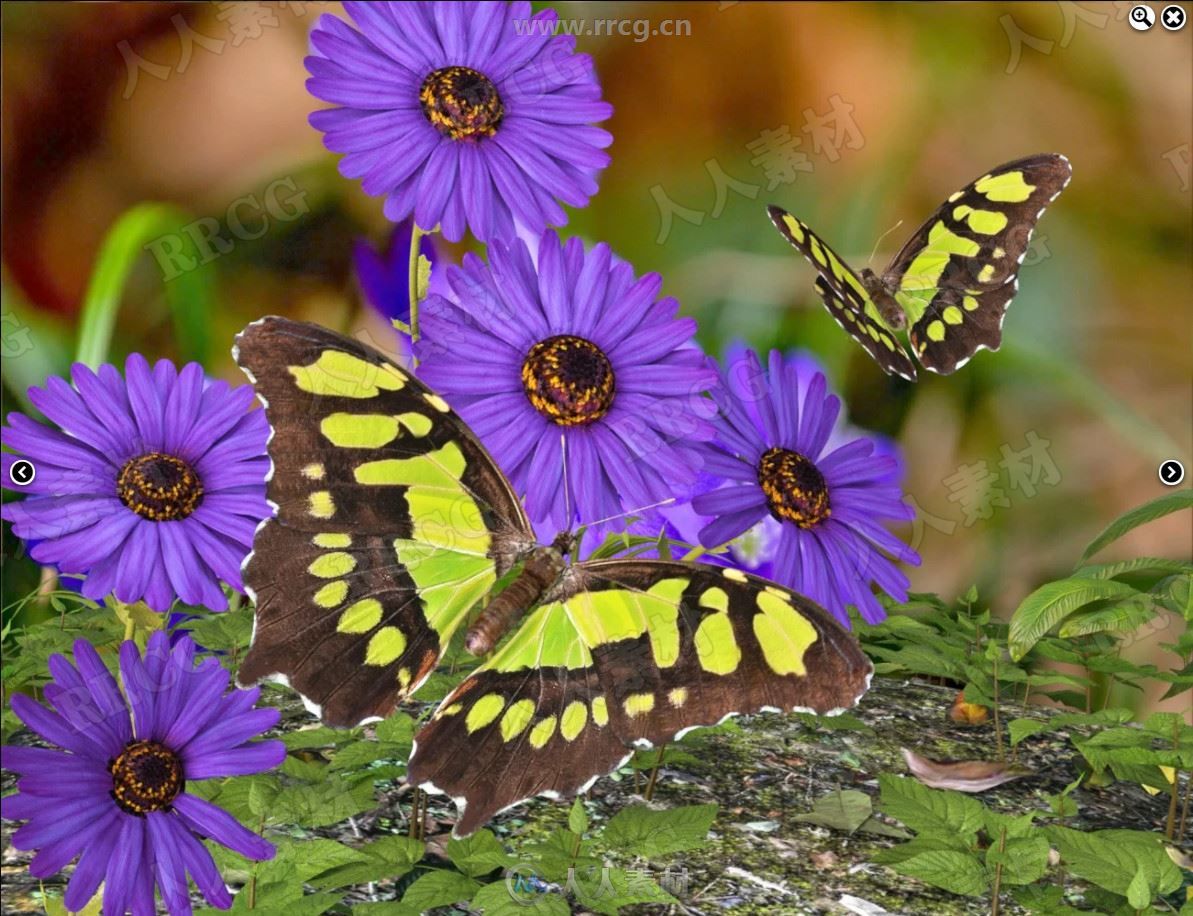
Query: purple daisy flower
(115,794)
(775,452)
(151,487)
(460,113)
(576,347)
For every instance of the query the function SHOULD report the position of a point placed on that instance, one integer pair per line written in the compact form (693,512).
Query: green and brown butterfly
(395,530)
(950,285)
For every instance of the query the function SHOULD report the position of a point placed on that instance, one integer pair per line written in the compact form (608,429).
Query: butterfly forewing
(630,654)
(845,297)
(392,522)
(961,266)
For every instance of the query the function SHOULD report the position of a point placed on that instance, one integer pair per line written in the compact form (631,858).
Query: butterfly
(950,285)
(393,526)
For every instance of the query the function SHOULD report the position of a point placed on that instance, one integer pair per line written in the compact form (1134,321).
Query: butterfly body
(394,525)
(950,284)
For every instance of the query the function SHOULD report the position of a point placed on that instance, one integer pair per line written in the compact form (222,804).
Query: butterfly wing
(392,521)
(845,296)
(630,654)
(957,274)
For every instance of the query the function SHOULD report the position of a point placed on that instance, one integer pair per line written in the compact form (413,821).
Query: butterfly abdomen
(541,570)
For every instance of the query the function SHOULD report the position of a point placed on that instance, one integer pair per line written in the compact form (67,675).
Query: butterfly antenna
(601,521)
(880,238)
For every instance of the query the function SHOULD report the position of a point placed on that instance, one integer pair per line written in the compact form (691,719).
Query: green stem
(1002,847)
(997,721)
(654,774)
(1180,832)
(1174,791)
(416,236)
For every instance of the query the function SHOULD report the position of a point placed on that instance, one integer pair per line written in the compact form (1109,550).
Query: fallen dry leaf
(962,775)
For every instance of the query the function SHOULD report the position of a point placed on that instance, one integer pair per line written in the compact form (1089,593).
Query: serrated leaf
(1111,859)
(478,854)
(638,830)
(140,614)
(498,899)
(319,736)
(440,887)
(1148,512)
(921,808)
(1050,604)
(321,805)
(578,818)
(1024,859)
(955,872)
(397,729)
(609,889)
(382,860)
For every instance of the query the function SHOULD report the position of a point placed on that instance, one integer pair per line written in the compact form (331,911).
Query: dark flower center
(794,487)
(159,487)
(461,103)
(568,380)
(146,777)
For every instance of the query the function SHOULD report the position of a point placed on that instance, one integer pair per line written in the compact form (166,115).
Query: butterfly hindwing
(630,654)
(961,266)
(845,296)
(392,521)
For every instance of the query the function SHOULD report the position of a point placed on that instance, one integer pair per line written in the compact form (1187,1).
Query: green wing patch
(628,654)
(961,267)
(952,281)
(392,522)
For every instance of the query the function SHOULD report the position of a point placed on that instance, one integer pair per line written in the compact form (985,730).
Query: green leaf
(397,729)
(955,872)
(1050,604)
(478,854)
(1112,859)
(578,818)
(440,887)
(1133,566)
(1148,512)
(321,805)
(190,294)
(845,810)
(423,277)
(498,899)
(921,808)
(382,860)
(1139,892)
(320,736)
(1121,617)
(360,754)
(1024,859)
(640,831)
(607,889)
(223,632)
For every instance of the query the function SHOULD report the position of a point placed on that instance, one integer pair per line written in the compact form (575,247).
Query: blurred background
(853,116)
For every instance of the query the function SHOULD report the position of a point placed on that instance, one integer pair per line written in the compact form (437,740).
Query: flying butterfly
(950,285)
(393,525)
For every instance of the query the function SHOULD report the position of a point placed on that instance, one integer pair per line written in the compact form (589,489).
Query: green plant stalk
(252,888)
(997,720)
(995,890)
(416,236)
(654,774)
(1180,832)
(121,249)
(1174,790)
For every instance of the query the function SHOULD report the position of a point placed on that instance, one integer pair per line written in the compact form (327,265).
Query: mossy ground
(760,859)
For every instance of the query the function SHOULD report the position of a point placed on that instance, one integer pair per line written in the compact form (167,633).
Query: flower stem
(416,236)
